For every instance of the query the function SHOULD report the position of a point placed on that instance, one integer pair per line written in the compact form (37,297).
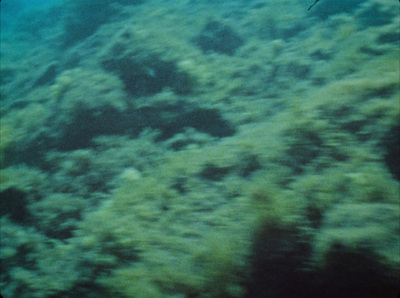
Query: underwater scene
(200,148)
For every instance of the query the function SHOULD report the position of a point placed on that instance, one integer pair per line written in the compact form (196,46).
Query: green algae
(277,163)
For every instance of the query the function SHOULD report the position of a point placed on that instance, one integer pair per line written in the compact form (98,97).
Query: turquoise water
(198,148)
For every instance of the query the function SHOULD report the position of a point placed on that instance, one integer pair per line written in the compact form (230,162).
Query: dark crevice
(219,38)
(169,120)
(47,77)
(149,75)
(13,202)
(391,146)
(215,173)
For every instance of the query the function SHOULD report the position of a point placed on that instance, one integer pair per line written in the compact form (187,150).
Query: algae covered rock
(356,252)
(142,70)
(88,103)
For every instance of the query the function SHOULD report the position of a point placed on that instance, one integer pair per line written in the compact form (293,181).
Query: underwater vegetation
(201,149)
